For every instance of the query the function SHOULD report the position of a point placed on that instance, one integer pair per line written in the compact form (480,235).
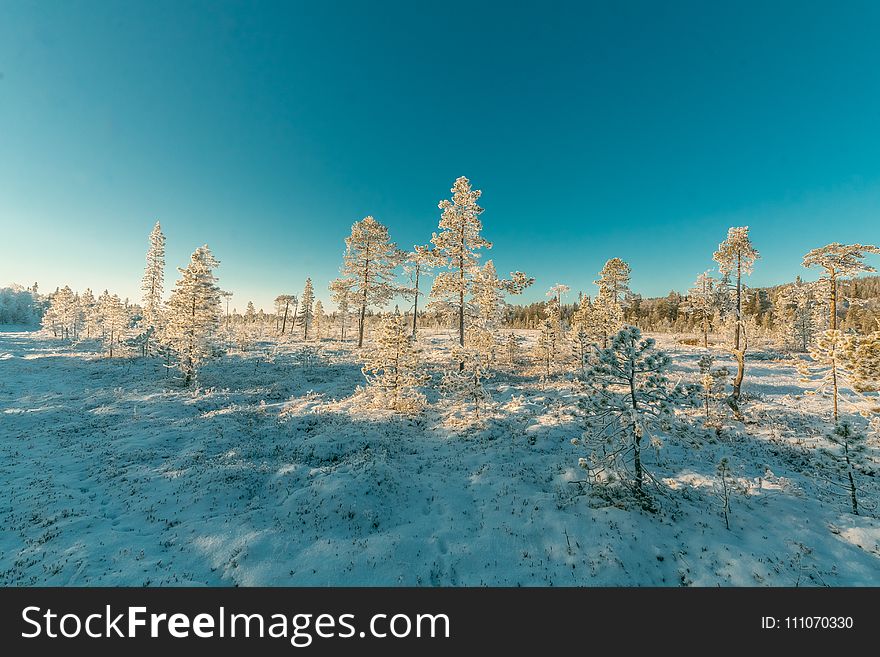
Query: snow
(271,473)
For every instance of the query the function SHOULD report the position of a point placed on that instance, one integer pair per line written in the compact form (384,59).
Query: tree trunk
(416,304)
(834,386)
(833,322)
(740,356)
(361,322)
(705,331)
(284,321)
(738,301)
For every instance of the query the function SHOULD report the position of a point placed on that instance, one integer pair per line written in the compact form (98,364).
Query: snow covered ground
(269,473)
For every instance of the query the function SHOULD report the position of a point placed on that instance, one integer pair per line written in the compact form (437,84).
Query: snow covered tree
(466,383)
(556,293)
(512,348)
(613,281)
(457,243)
(830,365)
(341,295)
(114,321)
(320,319)
(614,293)
(250,313)
(422,259)
(393,369)
(488,297)
(547,345)
(799,318)
(713,385)
(62,314)
(307,308)
(701,303)
(737,255)
(90,313)
(369,262)
(153,285)
(839,261)
(851,455)
(863,354)
(193,314)
(282,308)
(628,397)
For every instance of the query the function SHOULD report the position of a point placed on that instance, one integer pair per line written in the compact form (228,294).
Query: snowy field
(269,473)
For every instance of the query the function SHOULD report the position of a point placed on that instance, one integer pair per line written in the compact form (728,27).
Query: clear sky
(595,129)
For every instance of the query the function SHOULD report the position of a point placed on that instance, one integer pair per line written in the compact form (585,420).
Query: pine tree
(282,308)
(839,261)
(63,312)
(369,262)
(153,284)
(307,308)
(863,354)
(457,243)
(341,295)
(91,314)
(392,368)
(422,259)
(556,293)
(488,297)
(701,303)
(193,314)
(851,456)
(830,363)
(628,396)
(250,313)
(547,345)
(737,255)
(614,293)
(319,320)
(466,383)
(799,321)
(114,321)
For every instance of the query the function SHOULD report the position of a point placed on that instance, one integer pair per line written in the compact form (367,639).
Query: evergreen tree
(628,396)
(736,255)
(457,243)
(307,308)
(341,295)
(153,284)
(839,261)
(282,308)
(193,314)
(422,259)
(369,262)
(392,368)
(701,303)
(114,321)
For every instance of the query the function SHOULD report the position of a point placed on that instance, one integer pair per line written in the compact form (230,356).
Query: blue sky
(637,130)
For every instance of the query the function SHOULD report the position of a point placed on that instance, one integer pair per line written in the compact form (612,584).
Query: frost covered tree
(320,319)
(465,384)
(114,321)
(547,345)
(488,297)
(250,313)
(701,303)
(422,259)
(713,385)
(307,308)
(193,314)
(282,308)
(369,262)
(458,243)
(90,314)
(393,368)
(62,315)
(851,455)
(614,293)
(153,285)
(341,295)
(829,367)
(556,293)
(799,321)
(629,397)
(863,354)
(736,256)
(613,281)
(839,261)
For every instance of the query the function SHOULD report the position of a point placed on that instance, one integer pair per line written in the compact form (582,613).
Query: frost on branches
(801,315)
(193,314)
(464,385)
(701,303)
(628,399)
(153,286)
(114,321)
(307,308)
(838,261)
(736,257)
(341,295)
(457,244)
(713,389)
(393,368)
(369,263)
(422,259)
(614,294)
